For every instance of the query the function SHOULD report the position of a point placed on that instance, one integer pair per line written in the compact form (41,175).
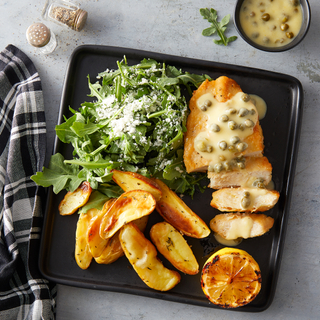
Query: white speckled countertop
(174,27)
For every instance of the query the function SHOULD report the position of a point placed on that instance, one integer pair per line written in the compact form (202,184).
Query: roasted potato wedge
(172,245)
(143,257)
(113,251)
(96,243)
(130,206)
(82,252)
(134,181)
(178,214)
(72,201)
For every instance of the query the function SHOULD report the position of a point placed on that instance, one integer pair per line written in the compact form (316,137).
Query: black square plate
(281,127)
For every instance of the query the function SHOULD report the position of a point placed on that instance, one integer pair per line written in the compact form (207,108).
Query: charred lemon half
(231,278)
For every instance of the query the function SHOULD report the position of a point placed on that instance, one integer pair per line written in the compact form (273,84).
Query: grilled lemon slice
(231,278)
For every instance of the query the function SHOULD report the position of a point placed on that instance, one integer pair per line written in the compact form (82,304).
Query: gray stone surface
(174,27)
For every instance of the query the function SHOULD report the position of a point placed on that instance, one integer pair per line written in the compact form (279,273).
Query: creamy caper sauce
(228,124)
(271,23)
(226,242)
(260,104)
(250,194)
(240,229)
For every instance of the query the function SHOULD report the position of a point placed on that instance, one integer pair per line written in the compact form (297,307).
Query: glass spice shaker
(65,13)
(40,36)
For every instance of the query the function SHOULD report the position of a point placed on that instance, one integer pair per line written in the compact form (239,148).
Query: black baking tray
(281,127)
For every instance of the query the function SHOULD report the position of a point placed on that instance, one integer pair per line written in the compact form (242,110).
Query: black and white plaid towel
(24,294)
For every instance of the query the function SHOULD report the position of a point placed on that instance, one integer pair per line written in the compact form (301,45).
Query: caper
(243,112)
(234,139)
(289,35)
(214,127)
(265,39)
(265,17)
(232,125)
(231,111)
(249,123)
(223,145)
(241,158)
(259,183)
(246,194)
(252,14)
(224,118)
(255,35)
(232,148)
(209,149)
(202,146)
(222,158)
(242,126)
(203,108)
(295,2)
(227,165)
(210,168)
(253,112)
(241,146)
(285,19)
(218,167)
(284,26)
(241,165)
(208,103)
(245,202)
(233,162)
(245,97)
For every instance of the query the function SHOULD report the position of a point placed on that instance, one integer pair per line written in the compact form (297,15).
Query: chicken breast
(224,94)
(231,226)
(244,199)
(255,169)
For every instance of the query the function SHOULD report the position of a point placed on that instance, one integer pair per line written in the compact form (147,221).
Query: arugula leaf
(59,175)
(96,201)
(216,27)
(110,190)
(82,129)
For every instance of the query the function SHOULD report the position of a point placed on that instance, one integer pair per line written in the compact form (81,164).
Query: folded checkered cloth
(24,294)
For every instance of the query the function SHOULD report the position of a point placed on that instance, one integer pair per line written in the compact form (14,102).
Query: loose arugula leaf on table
(216,27)
(135,123)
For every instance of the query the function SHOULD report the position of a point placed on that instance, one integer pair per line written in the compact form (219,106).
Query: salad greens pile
(135,123)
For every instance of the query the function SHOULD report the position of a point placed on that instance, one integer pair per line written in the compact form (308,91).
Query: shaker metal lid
(38,34)
(80,20)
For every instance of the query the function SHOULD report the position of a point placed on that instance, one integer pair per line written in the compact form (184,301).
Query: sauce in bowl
(271,23)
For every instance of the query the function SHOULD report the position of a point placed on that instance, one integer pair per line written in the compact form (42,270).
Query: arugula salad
(135,123)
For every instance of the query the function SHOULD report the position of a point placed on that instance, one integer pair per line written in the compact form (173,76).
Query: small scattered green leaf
(216,27)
